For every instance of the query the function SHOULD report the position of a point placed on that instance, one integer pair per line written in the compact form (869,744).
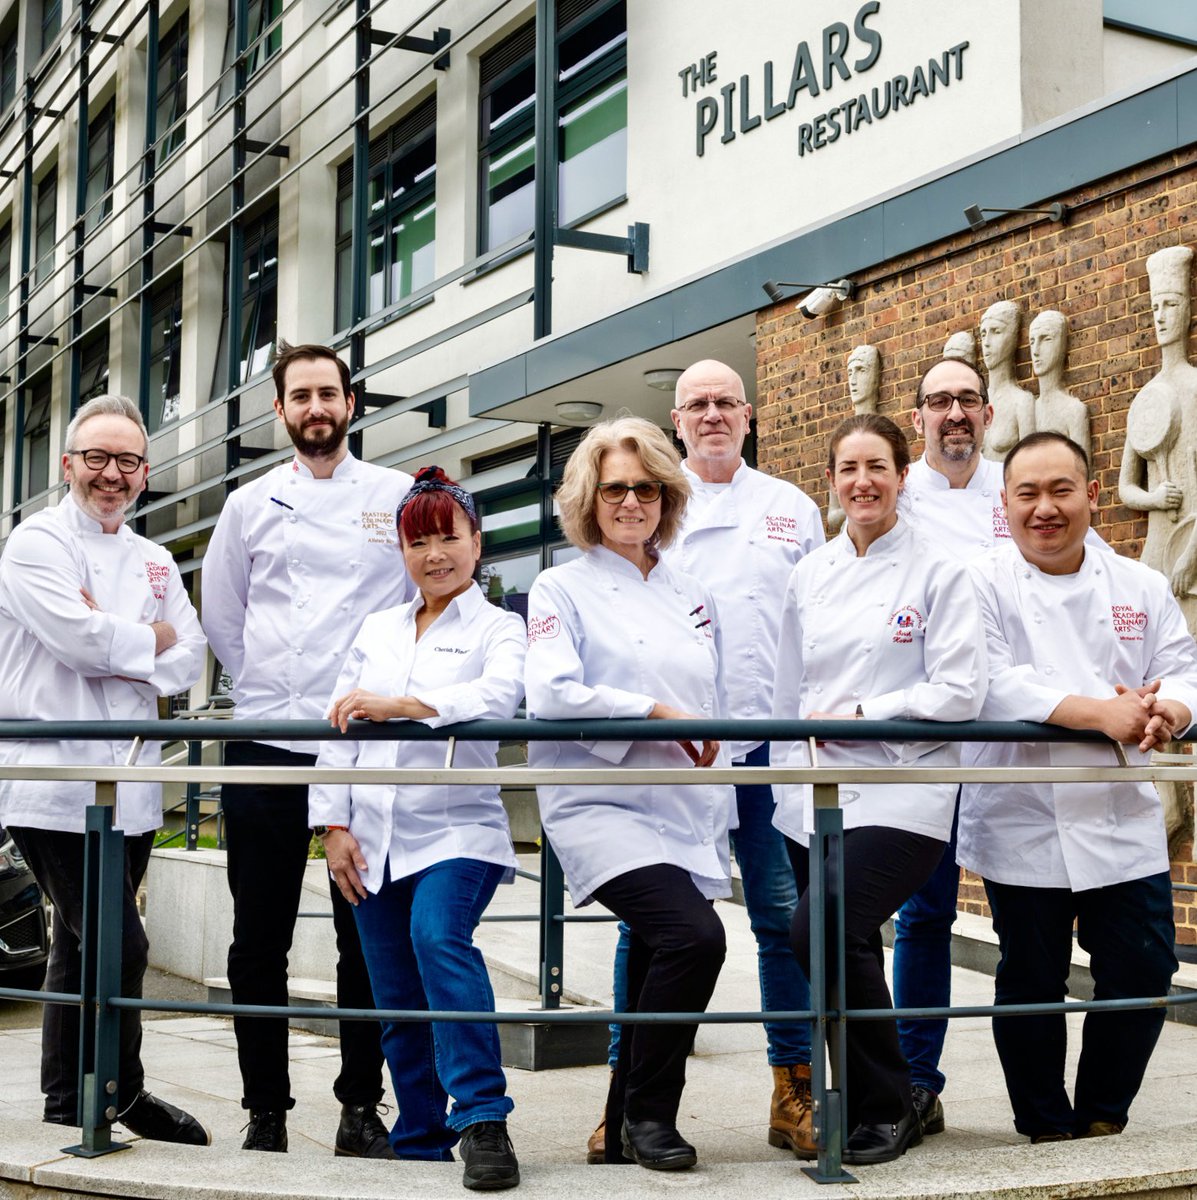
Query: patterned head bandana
(433,479)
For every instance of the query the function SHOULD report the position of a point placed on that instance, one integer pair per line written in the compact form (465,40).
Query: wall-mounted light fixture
(976,218)
(663,379)
(821,300)
(580,412)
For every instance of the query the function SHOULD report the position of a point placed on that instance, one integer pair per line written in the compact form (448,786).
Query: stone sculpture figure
(1013,407)
(1056,410)
(1159,460)
(961,345)
(864,389)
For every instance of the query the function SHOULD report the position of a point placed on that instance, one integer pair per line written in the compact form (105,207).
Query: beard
(957,451)
(102,505)
(318,439)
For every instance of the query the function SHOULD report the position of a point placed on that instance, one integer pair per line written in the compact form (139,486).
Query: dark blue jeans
(418,938)
(770,898)
(1128,931)
(923,966)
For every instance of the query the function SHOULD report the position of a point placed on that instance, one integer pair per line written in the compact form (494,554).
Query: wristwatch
(322,831)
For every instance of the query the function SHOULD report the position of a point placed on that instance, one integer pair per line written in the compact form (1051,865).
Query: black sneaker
(490,1163)
(267,1130)
(157,1121)
(361,1133)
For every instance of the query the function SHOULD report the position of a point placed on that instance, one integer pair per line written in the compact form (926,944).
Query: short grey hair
(106,406)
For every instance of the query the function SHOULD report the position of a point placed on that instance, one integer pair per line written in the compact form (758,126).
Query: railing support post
(99,1023)
(552,925)
(827,990)
(195,756)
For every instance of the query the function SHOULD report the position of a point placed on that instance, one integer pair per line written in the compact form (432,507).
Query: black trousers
(268,837)
(1128,931)
(56,859)
(676,952)
(883,867)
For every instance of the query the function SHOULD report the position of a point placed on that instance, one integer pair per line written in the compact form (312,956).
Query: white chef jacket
(1051,636)
(603,641)
(294,565)
(742,540)
(61,660)
(468,665)
(898,632)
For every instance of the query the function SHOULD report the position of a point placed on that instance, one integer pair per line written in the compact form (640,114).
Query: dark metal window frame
(35,433)
(8,65)
(172,86)
(51,22)
(259,291)
(101,151)
(93,375)
(166,346)
(45,225)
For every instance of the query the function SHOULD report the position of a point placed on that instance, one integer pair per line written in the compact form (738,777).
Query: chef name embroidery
(541,628)
(157,574)
(782,529)
(906,622)
(1129,623)
(379,526)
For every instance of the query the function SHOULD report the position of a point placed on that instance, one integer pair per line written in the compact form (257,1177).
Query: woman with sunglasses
(618,633)
(878,624)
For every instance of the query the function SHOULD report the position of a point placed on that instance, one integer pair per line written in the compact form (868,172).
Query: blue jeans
(1128,931)
(770,898)
(417,936)
(923,967)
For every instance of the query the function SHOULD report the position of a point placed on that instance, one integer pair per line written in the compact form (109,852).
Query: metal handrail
(828,1014)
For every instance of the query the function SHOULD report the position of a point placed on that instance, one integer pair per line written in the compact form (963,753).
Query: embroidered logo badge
(782,529)
(906,622)
(157,574)
(1001,527)
(1129,624)
(379,526)
(540,628)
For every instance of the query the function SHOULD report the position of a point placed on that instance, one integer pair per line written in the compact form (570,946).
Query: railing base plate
(817,1175)
(82,1151)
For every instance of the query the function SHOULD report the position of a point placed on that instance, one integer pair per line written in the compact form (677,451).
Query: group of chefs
(958,588)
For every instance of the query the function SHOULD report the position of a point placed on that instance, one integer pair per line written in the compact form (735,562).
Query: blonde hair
(578,494)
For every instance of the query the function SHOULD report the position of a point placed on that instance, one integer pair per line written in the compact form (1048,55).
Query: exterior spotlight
(821,300)
(974,214)
(580,412)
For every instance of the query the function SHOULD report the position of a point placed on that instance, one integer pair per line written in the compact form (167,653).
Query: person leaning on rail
(95,625)
(879,624)
(421,863)
(620,633)
(1084,641)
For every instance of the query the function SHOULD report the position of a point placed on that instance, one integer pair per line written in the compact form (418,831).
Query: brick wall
(1093,270)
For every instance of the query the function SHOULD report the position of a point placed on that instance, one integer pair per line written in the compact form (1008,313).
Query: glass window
(506,582)
(401,218)
(259,303)
(8,70)
(47,207)
(261,13)
(93,372)
(5,275)
(166,344)
(98,204)
(592,119)
(172,87)
(37,436)
(51,22)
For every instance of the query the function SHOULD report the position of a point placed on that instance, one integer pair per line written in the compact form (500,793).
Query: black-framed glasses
(647,490)
(724,405)
(97,460)
(943,401)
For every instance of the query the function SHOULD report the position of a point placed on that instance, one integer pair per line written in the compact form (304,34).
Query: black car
(24,930)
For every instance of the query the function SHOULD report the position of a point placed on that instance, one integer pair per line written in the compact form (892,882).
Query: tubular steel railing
(100,997)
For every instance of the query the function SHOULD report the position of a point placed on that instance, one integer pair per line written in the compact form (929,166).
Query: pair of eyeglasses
(942,401)
(647,490)
(97,460)
(723,406)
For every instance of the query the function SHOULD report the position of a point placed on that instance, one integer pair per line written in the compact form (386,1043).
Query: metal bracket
(634,246)
(449,752)
(94,289)
(418,45)
(167,227)
(277,151)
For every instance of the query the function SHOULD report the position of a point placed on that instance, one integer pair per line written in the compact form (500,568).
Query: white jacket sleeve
(497,692)
(41,582)
(225,589)
(1173,657)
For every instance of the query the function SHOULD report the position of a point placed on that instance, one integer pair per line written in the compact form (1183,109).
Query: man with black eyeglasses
(95,625)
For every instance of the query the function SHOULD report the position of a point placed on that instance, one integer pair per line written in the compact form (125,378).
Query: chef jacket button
(293,520)
(344,606)
(855,695)
(751,652)
(819,689)
(138,574)
(706,841)
(353,521)
(295,562)
(752,541)
(301,603)
(810,645)
(1049,670)
(660,828)
(298,651)
(298,695)
(707,706)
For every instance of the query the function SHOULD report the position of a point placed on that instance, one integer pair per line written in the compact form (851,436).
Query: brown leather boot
(790,1117)
(596,1146)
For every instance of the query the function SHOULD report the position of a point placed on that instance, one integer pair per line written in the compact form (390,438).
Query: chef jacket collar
(939,481)
(466,606)
(616,562)
(717,509)
(893,542)
(345,468)
(694,477)
(1090,565)
(79,521)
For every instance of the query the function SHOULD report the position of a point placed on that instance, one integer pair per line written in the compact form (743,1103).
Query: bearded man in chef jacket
(1084,640)
(95,625)
(299,558)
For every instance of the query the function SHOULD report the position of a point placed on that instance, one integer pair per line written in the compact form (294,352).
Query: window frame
(101,158)
(44,256)
(171,97)
(166,313)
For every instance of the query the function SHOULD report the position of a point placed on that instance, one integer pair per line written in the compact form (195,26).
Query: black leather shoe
(869,1144)
(490,1162)
(928,1110)
(157,1121)
(657,1145)
(267,1130)
(361,1133)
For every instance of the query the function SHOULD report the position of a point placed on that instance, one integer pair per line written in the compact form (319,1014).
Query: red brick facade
(1092,269)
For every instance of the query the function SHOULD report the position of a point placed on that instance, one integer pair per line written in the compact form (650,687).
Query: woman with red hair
(421,863)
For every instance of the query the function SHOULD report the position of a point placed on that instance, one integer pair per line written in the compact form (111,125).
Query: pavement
(191,1061)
